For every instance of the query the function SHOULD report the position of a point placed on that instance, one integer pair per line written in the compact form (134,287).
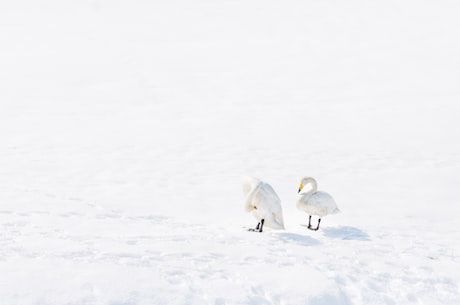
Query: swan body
(316,203)
(262,200)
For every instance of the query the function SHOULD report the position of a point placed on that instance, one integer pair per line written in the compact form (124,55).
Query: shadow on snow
(293,238)
(346,233)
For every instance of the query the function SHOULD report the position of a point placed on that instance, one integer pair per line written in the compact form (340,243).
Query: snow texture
(127,126)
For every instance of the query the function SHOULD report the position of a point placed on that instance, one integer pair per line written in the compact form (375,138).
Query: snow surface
(126,127)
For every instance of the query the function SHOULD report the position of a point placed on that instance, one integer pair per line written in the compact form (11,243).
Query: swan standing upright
(264,203)
(315,202)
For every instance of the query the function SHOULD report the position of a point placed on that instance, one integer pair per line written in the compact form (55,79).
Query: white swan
(315,202)
(263,202)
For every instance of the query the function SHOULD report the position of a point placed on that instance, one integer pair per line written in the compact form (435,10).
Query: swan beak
(300,188)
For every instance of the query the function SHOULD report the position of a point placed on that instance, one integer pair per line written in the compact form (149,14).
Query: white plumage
(262,200)
(315,202)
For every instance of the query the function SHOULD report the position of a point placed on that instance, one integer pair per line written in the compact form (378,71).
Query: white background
(126,127)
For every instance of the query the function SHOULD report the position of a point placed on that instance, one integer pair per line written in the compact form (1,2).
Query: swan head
(304,181)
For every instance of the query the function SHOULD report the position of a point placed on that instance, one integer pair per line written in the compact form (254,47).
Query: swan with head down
(315,202)
(262,200)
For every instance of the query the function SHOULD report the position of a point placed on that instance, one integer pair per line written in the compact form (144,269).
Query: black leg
(317,227)
(261,225)
(309,224)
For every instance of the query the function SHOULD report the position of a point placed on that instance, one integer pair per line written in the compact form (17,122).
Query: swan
(263,202)
(315,202)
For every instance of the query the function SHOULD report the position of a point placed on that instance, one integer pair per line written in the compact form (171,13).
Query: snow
(126,128)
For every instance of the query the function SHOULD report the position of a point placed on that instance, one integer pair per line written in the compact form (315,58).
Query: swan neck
(313,185)
(251,194)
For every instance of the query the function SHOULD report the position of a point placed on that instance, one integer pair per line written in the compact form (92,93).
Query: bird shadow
(293,238)
(346,233)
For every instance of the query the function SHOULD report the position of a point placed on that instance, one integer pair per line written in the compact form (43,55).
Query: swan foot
(259,226)
(255,229)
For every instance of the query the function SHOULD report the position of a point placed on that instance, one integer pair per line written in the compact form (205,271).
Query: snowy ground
(126,129)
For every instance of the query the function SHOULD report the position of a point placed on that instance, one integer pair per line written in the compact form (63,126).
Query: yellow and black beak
(300,188)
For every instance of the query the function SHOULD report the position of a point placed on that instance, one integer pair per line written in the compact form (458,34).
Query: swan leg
(261,225)
(317,227)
